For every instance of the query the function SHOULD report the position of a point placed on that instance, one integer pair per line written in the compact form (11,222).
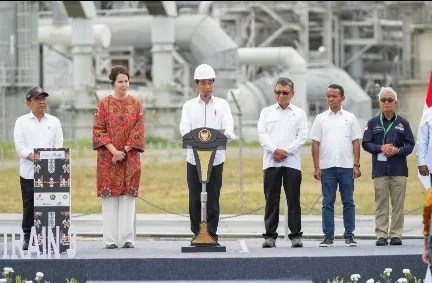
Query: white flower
(355,277)
(3,280)
(8,269)
(370,281)
(388,270)
(402,280)
(406,271)
(40,275)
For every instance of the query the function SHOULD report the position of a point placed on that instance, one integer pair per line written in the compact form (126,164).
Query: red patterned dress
(120,122)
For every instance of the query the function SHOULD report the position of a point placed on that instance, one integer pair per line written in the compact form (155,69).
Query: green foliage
(385,275)
(8,274)
(336,280)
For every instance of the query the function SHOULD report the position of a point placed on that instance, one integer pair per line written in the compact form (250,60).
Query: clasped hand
(389,150)
(280,155)
(118,156)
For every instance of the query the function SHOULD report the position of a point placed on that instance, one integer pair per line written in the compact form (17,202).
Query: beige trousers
(118,215)
(394,189)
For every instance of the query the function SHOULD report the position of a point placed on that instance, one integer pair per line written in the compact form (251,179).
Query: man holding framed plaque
(36,129)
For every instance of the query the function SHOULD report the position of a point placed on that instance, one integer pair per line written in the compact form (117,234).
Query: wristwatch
(357,165)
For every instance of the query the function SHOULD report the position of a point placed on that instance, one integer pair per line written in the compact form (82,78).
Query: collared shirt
(30,133)
(424,144)
(216,114)
(285,129)
(335,133)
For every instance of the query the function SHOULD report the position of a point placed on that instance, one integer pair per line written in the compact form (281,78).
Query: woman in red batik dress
(118,137)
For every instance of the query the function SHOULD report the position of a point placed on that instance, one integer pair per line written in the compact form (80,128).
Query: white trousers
(118,215)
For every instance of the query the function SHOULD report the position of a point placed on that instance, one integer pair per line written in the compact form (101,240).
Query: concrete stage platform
(161,260)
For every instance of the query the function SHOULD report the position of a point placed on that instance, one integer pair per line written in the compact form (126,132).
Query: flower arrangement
(8,277)
(386,277)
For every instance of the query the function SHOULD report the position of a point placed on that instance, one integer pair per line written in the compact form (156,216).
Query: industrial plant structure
(69,47)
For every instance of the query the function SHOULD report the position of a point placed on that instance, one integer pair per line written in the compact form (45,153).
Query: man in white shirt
(424,147)
(335,138)
(282,130)
(36,129)
(206,110)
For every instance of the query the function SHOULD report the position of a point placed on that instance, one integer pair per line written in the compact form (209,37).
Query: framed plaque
(52,196)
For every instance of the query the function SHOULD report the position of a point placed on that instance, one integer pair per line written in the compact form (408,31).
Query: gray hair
(386,90)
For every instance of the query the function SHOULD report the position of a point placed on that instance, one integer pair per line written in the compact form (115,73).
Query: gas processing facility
(69,47)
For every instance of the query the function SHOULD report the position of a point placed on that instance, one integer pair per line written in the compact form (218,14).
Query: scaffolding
(27,61)
(3,103)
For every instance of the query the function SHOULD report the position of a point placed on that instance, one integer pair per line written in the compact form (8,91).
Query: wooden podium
(204,143)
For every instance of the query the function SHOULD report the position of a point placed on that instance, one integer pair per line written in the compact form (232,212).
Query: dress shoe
(112,246)
(395,241)
(381,242)
(128,245)
(25,245)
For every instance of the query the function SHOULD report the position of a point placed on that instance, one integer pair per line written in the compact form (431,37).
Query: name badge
(382,157)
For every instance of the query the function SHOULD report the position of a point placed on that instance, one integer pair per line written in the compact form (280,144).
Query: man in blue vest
(388,137)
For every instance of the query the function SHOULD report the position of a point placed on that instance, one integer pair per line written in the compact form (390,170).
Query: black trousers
(28,206)
(291,179)
(213,189)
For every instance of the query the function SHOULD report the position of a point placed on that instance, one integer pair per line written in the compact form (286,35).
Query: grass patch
(164,184)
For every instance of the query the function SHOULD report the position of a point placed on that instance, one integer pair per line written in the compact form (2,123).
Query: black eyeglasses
(389,100)
(278,92)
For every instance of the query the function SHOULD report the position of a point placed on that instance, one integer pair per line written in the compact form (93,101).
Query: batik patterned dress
(427,210)
(120,122)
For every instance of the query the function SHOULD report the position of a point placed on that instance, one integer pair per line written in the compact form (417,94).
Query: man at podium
(36,129)
(205,110)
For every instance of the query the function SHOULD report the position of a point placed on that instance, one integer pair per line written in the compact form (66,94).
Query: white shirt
(335,133)
(424,144)
(30,133)
(285,129)
(216,114)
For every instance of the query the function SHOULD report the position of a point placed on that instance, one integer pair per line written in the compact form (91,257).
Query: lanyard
(386,130)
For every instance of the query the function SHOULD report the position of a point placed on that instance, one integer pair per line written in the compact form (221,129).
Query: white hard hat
(204,72)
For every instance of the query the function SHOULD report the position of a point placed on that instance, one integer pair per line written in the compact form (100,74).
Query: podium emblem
(204,135)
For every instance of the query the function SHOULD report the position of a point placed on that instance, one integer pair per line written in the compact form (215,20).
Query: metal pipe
(204,7)
(268,56)
(62,35)
(288,56)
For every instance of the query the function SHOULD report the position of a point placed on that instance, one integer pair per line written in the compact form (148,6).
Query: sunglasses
(39,99)
(389,100)
(278,92)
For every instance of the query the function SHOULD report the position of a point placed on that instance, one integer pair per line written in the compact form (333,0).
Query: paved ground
(238,248)
(246,226)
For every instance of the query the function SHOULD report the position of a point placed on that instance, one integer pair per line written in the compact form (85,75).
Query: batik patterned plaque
(52,197)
